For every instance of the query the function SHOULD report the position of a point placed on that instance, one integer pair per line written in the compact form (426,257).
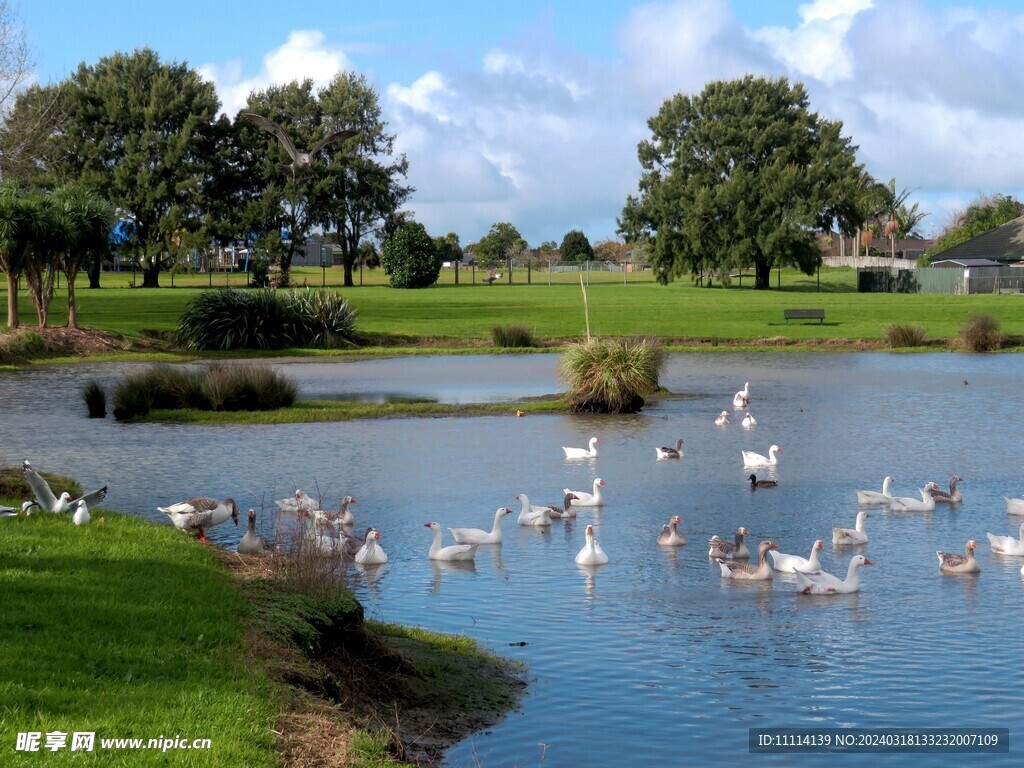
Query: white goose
(81,516)
(531,516)
(748,421)
(671,453)
(591,554)
(723,419)
(874,498)
(370,553)
(745,571)
(479,536)
(582,453)
(742,398)
(1007,545)
(250,544)
(907,504)
(670,535)
(954,562)
(1014,506)
(49,502)
(751,459)
(794,563)
(301,502)
(822,583)
(584,499)
(351,544)
(730,550)
(953,496)
(851,536)
(199,513)
(459,552)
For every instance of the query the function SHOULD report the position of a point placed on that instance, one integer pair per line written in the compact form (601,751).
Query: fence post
(588,271)
(549,271)
(529,274)
(473,272)
(510,271)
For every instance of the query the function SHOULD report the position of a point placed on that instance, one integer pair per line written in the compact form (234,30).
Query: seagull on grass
(49,502)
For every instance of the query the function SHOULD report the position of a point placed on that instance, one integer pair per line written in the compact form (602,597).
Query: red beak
(867,562)
(426,525)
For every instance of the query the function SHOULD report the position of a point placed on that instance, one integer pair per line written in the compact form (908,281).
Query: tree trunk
(72,309)
(12,299)
(151,276)
(94,272)
(762,274)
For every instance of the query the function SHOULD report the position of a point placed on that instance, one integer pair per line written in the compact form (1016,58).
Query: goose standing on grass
(46,499)
(591,554)
(301,502)
(480,536)
(81,513)
(565,512)
(748,421)
(822,583)
(670,535)
(340,518)
(751,459)
(742,398)
(200,513)
(907,504)
(723,419)
(456,552)
(952,497)
(745,571)
(794,563)
(371,553)
(1007,545)
(730,550)
(874,498)
(251,544)
(851,536)
(582,453)
(1014,506)
(584,499)
(953,562)
(755,483)
(671,453)
(529,515)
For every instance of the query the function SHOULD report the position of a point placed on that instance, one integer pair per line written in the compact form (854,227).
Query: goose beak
(426,525)
(867,562)
(508,511)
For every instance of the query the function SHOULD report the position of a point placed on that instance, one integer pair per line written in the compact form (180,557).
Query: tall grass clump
(512,336)
(247,388)
(611,376)
(95,399)
(322,319)
(981,334)
(902,335)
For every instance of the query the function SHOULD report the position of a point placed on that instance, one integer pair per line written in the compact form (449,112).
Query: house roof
(1004,243)
(969,262)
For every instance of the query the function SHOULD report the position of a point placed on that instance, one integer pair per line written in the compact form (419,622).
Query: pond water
(652,658)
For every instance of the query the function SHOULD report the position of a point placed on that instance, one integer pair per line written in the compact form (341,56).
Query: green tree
(743,173)
(14,244)
(576,247)
(87,220)
(981,216)
(498,243)
(448,247)
(410,257)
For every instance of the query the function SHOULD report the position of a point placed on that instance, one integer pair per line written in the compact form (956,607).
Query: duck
(723,419)
(531,516)
(583,453)
(342,517)
(794,563)
(745,571)
(81,513)
(748,421)
(250,544)
(953,496)
(370,553)
(456,552)
(591,554)
(907,504)
(751,459)
(301,502)
(1007,545)
(479,536)
(199,513)
(46,499)
(856,535)
(670,535)
(755,483)
(584,499)
(742,398)
(822,583)
(874,498)
(730,550)
(953,562)
(1014,506)
(671,453)
(567,511)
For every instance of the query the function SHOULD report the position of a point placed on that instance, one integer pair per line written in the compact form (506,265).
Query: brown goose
(251,544)
(567,510)
(726,549)
(338,518)
(952,497)
(670,537)
(671,453)
(745,571)
(199,513)
(952,562)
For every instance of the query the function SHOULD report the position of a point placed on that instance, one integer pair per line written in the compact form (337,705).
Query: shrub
(905,335)
(512,336)
(247,388)
(410,257)
(95,399)
(322,318)
(981,334)
(20,344)
(611,376)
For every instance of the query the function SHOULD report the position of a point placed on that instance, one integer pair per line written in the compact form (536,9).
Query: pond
(652,658)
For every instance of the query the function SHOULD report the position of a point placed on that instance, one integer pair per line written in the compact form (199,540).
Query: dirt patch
(27,343)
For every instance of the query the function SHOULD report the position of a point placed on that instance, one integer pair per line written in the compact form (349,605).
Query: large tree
(576,247)
(502,240)
(741,174)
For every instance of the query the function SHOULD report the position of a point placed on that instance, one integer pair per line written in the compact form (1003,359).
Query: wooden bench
(804,314)
(491,278)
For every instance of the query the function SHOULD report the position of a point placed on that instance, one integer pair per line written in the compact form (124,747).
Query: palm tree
(13,251)
(44,239)
(87,221)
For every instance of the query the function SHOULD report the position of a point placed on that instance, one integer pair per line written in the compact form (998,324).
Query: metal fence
(949,280)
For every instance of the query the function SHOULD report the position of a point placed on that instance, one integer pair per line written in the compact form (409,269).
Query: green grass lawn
(639,308)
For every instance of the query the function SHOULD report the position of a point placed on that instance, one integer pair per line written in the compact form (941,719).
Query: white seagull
(49,502)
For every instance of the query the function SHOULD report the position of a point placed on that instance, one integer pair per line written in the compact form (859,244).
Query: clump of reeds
(512,336)
(902,335)
(611,376)
(981,334)
(95,399)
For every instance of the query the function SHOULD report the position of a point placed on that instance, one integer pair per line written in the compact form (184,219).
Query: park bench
(804,314)
(491,278)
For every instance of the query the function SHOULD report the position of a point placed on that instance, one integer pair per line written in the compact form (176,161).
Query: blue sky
(530,111)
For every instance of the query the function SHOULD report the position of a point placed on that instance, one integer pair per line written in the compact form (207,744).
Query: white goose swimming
(479,536)
(730,550)
(874,498)
(584,499)
(745,571)
(459,552)
(1007,545)
(748,421)
(751,459)
(582,453)
(301,502)
(199,513)
(907,504)
(953,496)
(1014,506)
(796,564)
(851,536)
(591,554)
(251,544)
(47,501)
(371,553)
(954,562)
(671,453)
(723,419)
(742,398)
(531,516)
(822,583)
(670,535)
